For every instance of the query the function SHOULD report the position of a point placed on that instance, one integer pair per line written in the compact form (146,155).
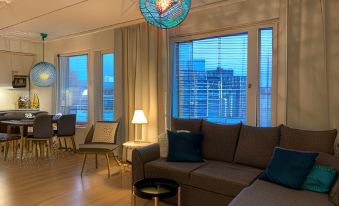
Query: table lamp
(139,119)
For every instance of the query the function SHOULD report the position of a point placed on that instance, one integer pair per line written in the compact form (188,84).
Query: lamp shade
(139,117)
(164,13)
(43,74)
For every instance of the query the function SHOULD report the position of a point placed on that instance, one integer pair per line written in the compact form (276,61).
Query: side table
(129,146)
(156,189)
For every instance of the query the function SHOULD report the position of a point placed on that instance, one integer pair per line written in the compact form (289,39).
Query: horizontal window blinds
(265,77)
(211,79)
(73,87)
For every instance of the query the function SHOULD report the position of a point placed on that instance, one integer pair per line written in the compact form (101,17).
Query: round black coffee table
(156,189)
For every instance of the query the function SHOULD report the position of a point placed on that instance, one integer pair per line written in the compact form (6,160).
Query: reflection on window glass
(210,79)
(108,87)
(265,80)
(73,87)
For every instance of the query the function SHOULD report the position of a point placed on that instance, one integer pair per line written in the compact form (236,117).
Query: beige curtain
(140,79)
(312,62)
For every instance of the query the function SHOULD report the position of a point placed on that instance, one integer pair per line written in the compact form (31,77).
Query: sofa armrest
(334,193)
(140,156)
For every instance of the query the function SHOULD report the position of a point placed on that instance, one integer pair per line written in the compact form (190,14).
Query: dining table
(22,124)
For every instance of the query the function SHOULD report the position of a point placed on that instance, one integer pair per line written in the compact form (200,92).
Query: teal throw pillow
(320,179)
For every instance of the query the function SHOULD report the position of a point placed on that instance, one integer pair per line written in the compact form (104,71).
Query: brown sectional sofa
(234,156)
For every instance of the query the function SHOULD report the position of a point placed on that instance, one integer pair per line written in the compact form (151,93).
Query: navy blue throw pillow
(184,147)
(289,168)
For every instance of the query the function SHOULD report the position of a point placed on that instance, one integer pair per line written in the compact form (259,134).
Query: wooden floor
(58,182)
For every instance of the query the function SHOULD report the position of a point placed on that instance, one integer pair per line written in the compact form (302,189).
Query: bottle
(35,102)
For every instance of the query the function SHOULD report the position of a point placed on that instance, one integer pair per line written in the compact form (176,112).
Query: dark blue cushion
(184,147)
(289,168)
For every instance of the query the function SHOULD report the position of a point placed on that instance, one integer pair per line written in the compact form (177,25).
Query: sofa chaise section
(223,178)
(178,171)
(262,193)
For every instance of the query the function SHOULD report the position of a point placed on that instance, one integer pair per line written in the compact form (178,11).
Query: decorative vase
(35,102)
(24,103)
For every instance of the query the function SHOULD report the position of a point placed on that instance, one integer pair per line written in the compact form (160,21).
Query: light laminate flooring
(58,182)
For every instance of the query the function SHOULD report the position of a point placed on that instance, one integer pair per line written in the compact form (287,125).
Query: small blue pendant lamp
(165,13)
(43,74)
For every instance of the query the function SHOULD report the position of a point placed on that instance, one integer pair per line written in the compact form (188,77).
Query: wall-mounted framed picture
(20,81)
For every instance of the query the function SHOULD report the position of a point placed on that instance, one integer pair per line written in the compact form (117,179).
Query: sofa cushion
(223,178)
(318,141)
(192,125)
(219,141)
(262,193)
(256,145)
(289,168)
(320,179)
(328,160)
(178,171)
(184,147)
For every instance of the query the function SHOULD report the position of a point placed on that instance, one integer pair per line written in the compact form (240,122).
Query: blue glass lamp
(165,13)
(43,74)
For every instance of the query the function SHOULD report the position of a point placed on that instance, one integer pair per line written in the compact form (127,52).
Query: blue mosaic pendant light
(43,74)
(165,13)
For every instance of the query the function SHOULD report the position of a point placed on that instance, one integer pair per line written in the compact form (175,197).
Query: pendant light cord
(43,37)
(43,49)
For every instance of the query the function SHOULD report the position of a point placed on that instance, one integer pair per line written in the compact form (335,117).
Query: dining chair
(66,130)
(42,133)
(5,140)
(101,140)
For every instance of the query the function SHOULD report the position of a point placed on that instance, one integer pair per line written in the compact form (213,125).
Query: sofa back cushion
(192,125)
(256,145)
(318,141)
(220,141)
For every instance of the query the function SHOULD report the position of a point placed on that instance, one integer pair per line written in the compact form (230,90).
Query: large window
(108,86)
(211,78)
(73,87)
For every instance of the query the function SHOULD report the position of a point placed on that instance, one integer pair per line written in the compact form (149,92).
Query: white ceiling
(58,18)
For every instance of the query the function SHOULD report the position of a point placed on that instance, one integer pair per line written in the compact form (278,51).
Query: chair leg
(108,166)
(117,160)
(13,149)
(96,161)
(66,148)
(60,145)
(50,142)
(83,164)
(36,150)
(73,143)
(15,152)
(41,149)
(6,150)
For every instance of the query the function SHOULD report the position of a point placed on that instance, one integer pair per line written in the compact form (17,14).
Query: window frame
(72,54)
(253,66)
